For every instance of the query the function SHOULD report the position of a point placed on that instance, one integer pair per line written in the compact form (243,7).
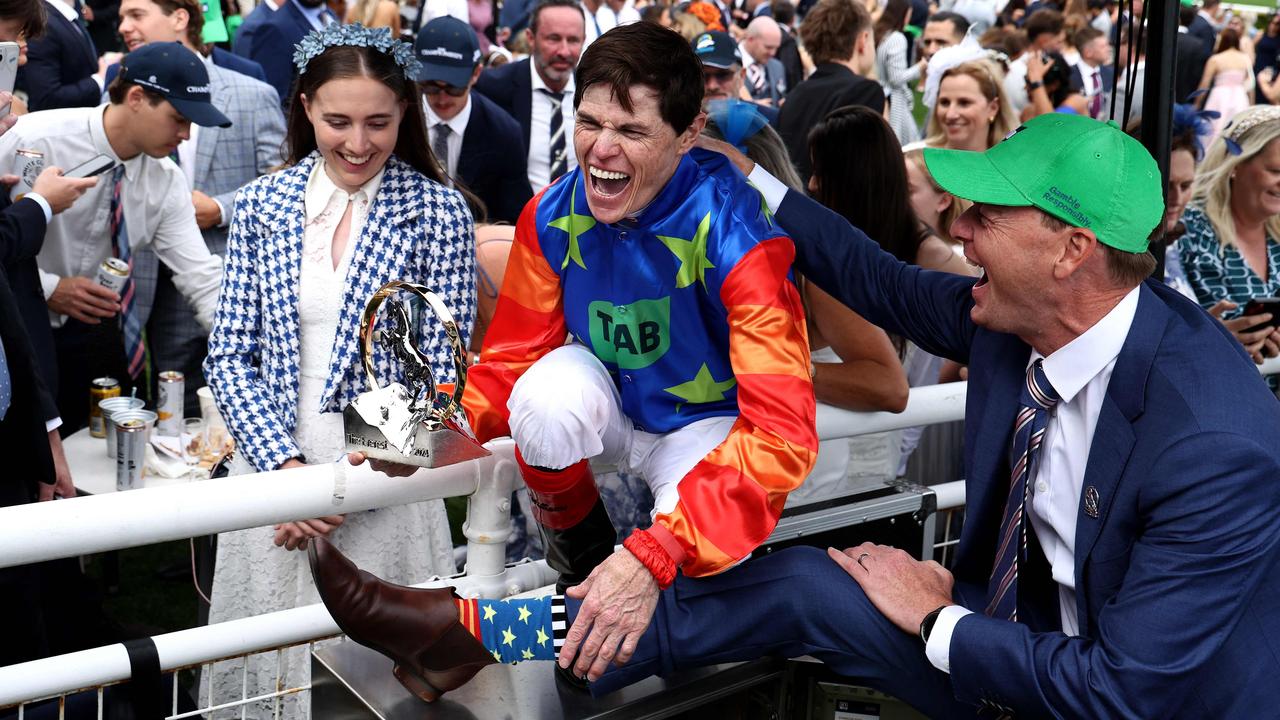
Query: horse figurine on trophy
(409,423)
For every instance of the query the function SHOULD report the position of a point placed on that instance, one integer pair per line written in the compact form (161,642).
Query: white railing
(141,517)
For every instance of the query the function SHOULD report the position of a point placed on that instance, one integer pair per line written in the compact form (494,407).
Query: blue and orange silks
(692,309)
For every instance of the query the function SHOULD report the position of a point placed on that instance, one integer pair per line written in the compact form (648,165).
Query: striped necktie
(440,147)
(558,163)
(1038,399)
(135,349)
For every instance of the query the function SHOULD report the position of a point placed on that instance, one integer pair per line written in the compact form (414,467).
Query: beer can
(99,390)
(110,407)
(28,166)
(132,427)
(113,273)
(169,407)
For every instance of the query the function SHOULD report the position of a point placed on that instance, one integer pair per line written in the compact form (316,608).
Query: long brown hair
(348,61)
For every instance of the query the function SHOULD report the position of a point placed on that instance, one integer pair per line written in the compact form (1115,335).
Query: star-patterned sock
(516,629)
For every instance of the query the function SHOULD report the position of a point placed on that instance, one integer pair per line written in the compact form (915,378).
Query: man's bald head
(762,39)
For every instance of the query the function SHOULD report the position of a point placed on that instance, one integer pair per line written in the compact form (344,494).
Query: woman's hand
(1260,344)
(389,469)
(294,535)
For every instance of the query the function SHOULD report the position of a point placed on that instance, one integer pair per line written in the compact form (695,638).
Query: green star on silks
(692,254)
(575,225)
(703,388)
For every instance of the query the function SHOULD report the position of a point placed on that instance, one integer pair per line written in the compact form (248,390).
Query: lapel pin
(1091,501)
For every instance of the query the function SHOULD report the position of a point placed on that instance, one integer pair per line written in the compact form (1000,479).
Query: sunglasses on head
(435,88)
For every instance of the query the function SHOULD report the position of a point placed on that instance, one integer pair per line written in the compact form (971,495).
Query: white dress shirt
(1080,372)
(607,19)
(157,209)
(433,9)
(324,204)
(457,126)
(540,132)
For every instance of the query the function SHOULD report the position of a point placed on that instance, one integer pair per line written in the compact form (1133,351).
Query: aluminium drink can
(113,273)
(169,407)
(99,390)
(133,430)
(28,165)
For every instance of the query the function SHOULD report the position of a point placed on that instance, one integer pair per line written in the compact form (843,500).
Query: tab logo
(631,336)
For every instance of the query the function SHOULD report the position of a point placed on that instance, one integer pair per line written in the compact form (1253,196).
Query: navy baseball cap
(448,51)
(171,70)
(717,49)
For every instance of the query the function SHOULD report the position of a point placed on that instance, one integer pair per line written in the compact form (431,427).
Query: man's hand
(84,300)
(87,13)
(902,588)
(208,214)
(8,121)
(59,190)
(62,487)
(620,596)
(389,469)
(744,164)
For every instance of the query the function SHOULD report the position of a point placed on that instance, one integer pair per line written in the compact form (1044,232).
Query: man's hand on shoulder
(618,600)
(902,588)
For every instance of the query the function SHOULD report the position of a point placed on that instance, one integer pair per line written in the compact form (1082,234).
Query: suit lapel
(988,471)
(1113,437)
(207,142)
(387,241)
(524,101)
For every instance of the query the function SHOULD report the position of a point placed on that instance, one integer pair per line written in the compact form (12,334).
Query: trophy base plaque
(379,425)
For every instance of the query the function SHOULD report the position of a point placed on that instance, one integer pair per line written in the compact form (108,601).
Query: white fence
(141,517)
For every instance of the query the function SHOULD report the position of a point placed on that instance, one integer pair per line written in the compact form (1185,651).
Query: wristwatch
(1033,84)
(926,625)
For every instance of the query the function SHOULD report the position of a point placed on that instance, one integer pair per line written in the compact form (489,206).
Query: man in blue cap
(476,142)
(723,73)
(144,201)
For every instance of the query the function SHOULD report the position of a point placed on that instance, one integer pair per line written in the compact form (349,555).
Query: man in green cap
(1122,465)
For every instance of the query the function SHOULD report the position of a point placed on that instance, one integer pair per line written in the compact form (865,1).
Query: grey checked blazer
(226,160)
(416,230)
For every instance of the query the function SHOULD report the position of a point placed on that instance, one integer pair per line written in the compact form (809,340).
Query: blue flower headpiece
(356,35)
(1199,122)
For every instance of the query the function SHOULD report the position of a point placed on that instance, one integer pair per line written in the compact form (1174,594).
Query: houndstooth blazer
(417,230)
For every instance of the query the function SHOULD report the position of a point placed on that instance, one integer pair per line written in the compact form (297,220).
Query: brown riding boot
(417,628)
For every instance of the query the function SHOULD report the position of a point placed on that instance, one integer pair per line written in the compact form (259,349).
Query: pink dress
(1230,95)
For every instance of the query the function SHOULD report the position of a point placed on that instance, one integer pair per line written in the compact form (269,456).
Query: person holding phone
(1231,249)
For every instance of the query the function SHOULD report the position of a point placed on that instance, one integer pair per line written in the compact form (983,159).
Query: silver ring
(860,559)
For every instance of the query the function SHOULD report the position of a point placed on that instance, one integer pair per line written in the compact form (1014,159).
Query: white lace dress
(404,544)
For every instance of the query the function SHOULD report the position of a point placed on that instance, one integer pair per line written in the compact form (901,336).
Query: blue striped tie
(1038,398)
(134,347)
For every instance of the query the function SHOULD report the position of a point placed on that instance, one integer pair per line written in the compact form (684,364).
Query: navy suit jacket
(242,44)
(22,227)
(493,160)
(235,63)
(60,67)
(510,88)
(1176,589)
(270,44)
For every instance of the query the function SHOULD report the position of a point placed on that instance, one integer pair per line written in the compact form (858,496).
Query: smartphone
(95,166)
(9,52)
(1257,306)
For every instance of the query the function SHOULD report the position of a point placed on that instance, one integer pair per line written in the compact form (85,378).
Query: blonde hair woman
(971,112)
(375,14)
(1231,249)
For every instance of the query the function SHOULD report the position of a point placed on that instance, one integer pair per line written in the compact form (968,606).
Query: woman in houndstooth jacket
(360,202)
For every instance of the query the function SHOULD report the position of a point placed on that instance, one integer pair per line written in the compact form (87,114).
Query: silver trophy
(410,423)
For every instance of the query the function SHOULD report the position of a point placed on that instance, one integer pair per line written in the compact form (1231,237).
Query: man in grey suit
(766,77)
(217,162)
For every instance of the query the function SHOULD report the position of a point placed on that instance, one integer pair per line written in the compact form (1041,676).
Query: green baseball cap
(1086,173)
(215,28)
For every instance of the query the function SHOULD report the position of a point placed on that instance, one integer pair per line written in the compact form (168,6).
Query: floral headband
(355,35)
(1247,120)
